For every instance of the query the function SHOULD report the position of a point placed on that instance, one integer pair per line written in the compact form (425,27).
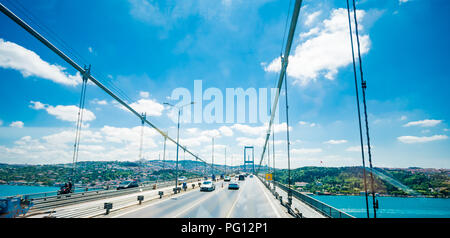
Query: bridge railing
(55,193)
(319,206)
(79,191)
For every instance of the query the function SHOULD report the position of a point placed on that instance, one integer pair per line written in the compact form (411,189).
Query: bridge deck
(252,200)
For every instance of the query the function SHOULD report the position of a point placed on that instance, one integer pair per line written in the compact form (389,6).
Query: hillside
(349,180)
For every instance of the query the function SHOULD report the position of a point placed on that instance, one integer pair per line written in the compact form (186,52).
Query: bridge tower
(247,160)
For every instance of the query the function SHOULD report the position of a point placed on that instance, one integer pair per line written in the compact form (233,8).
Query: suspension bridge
(259,194)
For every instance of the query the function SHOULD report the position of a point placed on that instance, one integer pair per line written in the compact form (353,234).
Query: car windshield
(124,182)
(207,182)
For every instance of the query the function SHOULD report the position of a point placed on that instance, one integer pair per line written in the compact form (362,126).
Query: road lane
(254,204)
(216,206)
(251,200)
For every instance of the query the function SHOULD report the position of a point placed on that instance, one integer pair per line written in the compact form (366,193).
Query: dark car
(128,184)
(241,177)
(233,186)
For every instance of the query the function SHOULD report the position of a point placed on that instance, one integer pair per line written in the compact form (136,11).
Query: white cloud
(1,123)
(192,131)
(64,113)
(128,135)
(423,123)
(245,141)
(149,106)
(99,102)
(226,131)
(90,49)
(37,105)
(312,17)
(13,56)
(211,133)
(324,51)
(402,118)
(304,123)
(418,139)
(304,35)
(17,124)
(260,130)
(335,142)
(106,144)
(143,94)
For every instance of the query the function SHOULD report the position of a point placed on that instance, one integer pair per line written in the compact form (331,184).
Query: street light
(178,138)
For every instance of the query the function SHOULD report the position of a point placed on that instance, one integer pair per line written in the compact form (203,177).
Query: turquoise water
(391,207)
(12,190)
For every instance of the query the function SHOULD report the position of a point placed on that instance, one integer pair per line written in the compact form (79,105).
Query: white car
(207,186)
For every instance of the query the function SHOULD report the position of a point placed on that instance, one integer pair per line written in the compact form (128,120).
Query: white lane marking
(270,200)
(234,203)
(195,204)
(152,204)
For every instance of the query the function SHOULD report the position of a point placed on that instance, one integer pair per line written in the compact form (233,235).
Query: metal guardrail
(80,190)
(55,193)
(44,203)
(98,208)
(319,206)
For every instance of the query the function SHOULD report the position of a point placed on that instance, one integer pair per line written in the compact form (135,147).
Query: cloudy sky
(143,50)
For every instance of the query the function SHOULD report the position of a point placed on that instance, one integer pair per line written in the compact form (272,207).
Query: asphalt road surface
(252,200)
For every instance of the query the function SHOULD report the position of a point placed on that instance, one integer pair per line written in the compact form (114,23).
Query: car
(233,186)
(241,177)
(251,175)
(227,179)
(207,186)
(182,178)
(128,184)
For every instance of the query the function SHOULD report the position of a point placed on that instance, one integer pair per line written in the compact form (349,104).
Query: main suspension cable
(364,86)
(359,112)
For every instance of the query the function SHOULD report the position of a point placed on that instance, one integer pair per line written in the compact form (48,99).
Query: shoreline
(380,195)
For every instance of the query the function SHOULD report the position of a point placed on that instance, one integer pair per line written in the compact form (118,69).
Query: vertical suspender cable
(288,141)
(364,86)
(273,157)
(76,145)
(164,153)
(140,162)
(268,158)
(359,112)
(212,159)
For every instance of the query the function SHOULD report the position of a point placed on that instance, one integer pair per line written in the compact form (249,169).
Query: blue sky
(150,48)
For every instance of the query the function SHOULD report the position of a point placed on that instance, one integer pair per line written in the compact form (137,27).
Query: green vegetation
(349,180)
(96,173)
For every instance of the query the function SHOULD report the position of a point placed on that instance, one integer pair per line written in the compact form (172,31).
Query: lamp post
(178,138)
